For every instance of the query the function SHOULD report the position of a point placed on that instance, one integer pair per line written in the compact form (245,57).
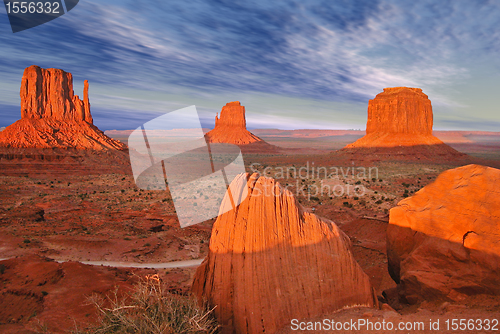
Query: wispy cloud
(336,51)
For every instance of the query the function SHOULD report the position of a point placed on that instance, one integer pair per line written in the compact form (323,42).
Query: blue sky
(293,64)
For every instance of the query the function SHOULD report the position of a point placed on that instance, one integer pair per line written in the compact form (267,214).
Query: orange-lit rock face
(53,117)
(400,110)
(270,262)
(231,126)
(232,115)
(400,126)
(48,93)
(445,240)
(399,116)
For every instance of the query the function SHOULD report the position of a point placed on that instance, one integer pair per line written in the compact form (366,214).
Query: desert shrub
(2,268)
(149,309)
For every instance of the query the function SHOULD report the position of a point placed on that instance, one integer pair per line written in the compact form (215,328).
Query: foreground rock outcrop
(444,242)
(399,125)
(231,126)
(270,262)
(53,117)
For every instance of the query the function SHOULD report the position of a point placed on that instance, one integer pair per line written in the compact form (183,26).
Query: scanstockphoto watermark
(310,171)
(330,181)
(356,325)
(464,325)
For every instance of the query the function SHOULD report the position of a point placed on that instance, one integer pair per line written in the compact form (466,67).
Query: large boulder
(270,262)
(444,242)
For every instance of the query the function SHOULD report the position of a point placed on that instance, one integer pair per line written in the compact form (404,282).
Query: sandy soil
(77,211)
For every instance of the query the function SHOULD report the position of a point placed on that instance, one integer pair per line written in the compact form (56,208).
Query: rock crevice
(444,241)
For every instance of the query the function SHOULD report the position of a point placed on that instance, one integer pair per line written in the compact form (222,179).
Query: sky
(293,64)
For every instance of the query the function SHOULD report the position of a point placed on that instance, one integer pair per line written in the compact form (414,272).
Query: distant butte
(400,121)
(53,117)
(231,126)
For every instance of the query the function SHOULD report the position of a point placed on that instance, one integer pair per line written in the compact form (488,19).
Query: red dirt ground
(78,206)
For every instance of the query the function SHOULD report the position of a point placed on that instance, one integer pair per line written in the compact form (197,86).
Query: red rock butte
(270,262)
(401,110)
(401,118)
(53,117)
(231,126)
(444,241)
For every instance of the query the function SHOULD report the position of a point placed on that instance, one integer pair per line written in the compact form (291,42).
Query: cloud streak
(338,51)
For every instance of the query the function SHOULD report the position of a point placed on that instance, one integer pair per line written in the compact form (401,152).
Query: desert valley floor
(61,209)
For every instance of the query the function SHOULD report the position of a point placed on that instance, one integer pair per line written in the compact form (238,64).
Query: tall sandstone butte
(48,93)
(270,262)
(444,242)
(400,110)
(231,126)
(399,125)
(52,116)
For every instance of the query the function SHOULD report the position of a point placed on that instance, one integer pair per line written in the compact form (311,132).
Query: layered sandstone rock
(401,118)
(231,126)
(271,262)
(400,110)
(52,116)
(48,93)
(445,240)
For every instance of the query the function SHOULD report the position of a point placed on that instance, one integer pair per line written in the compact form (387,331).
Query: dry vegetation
(149,309)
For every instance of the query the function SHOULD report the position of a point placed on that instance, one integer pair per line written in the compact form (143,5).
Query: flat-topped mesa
(401,110)
(399,127)
(269,262)
(231,126)
(48,93)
